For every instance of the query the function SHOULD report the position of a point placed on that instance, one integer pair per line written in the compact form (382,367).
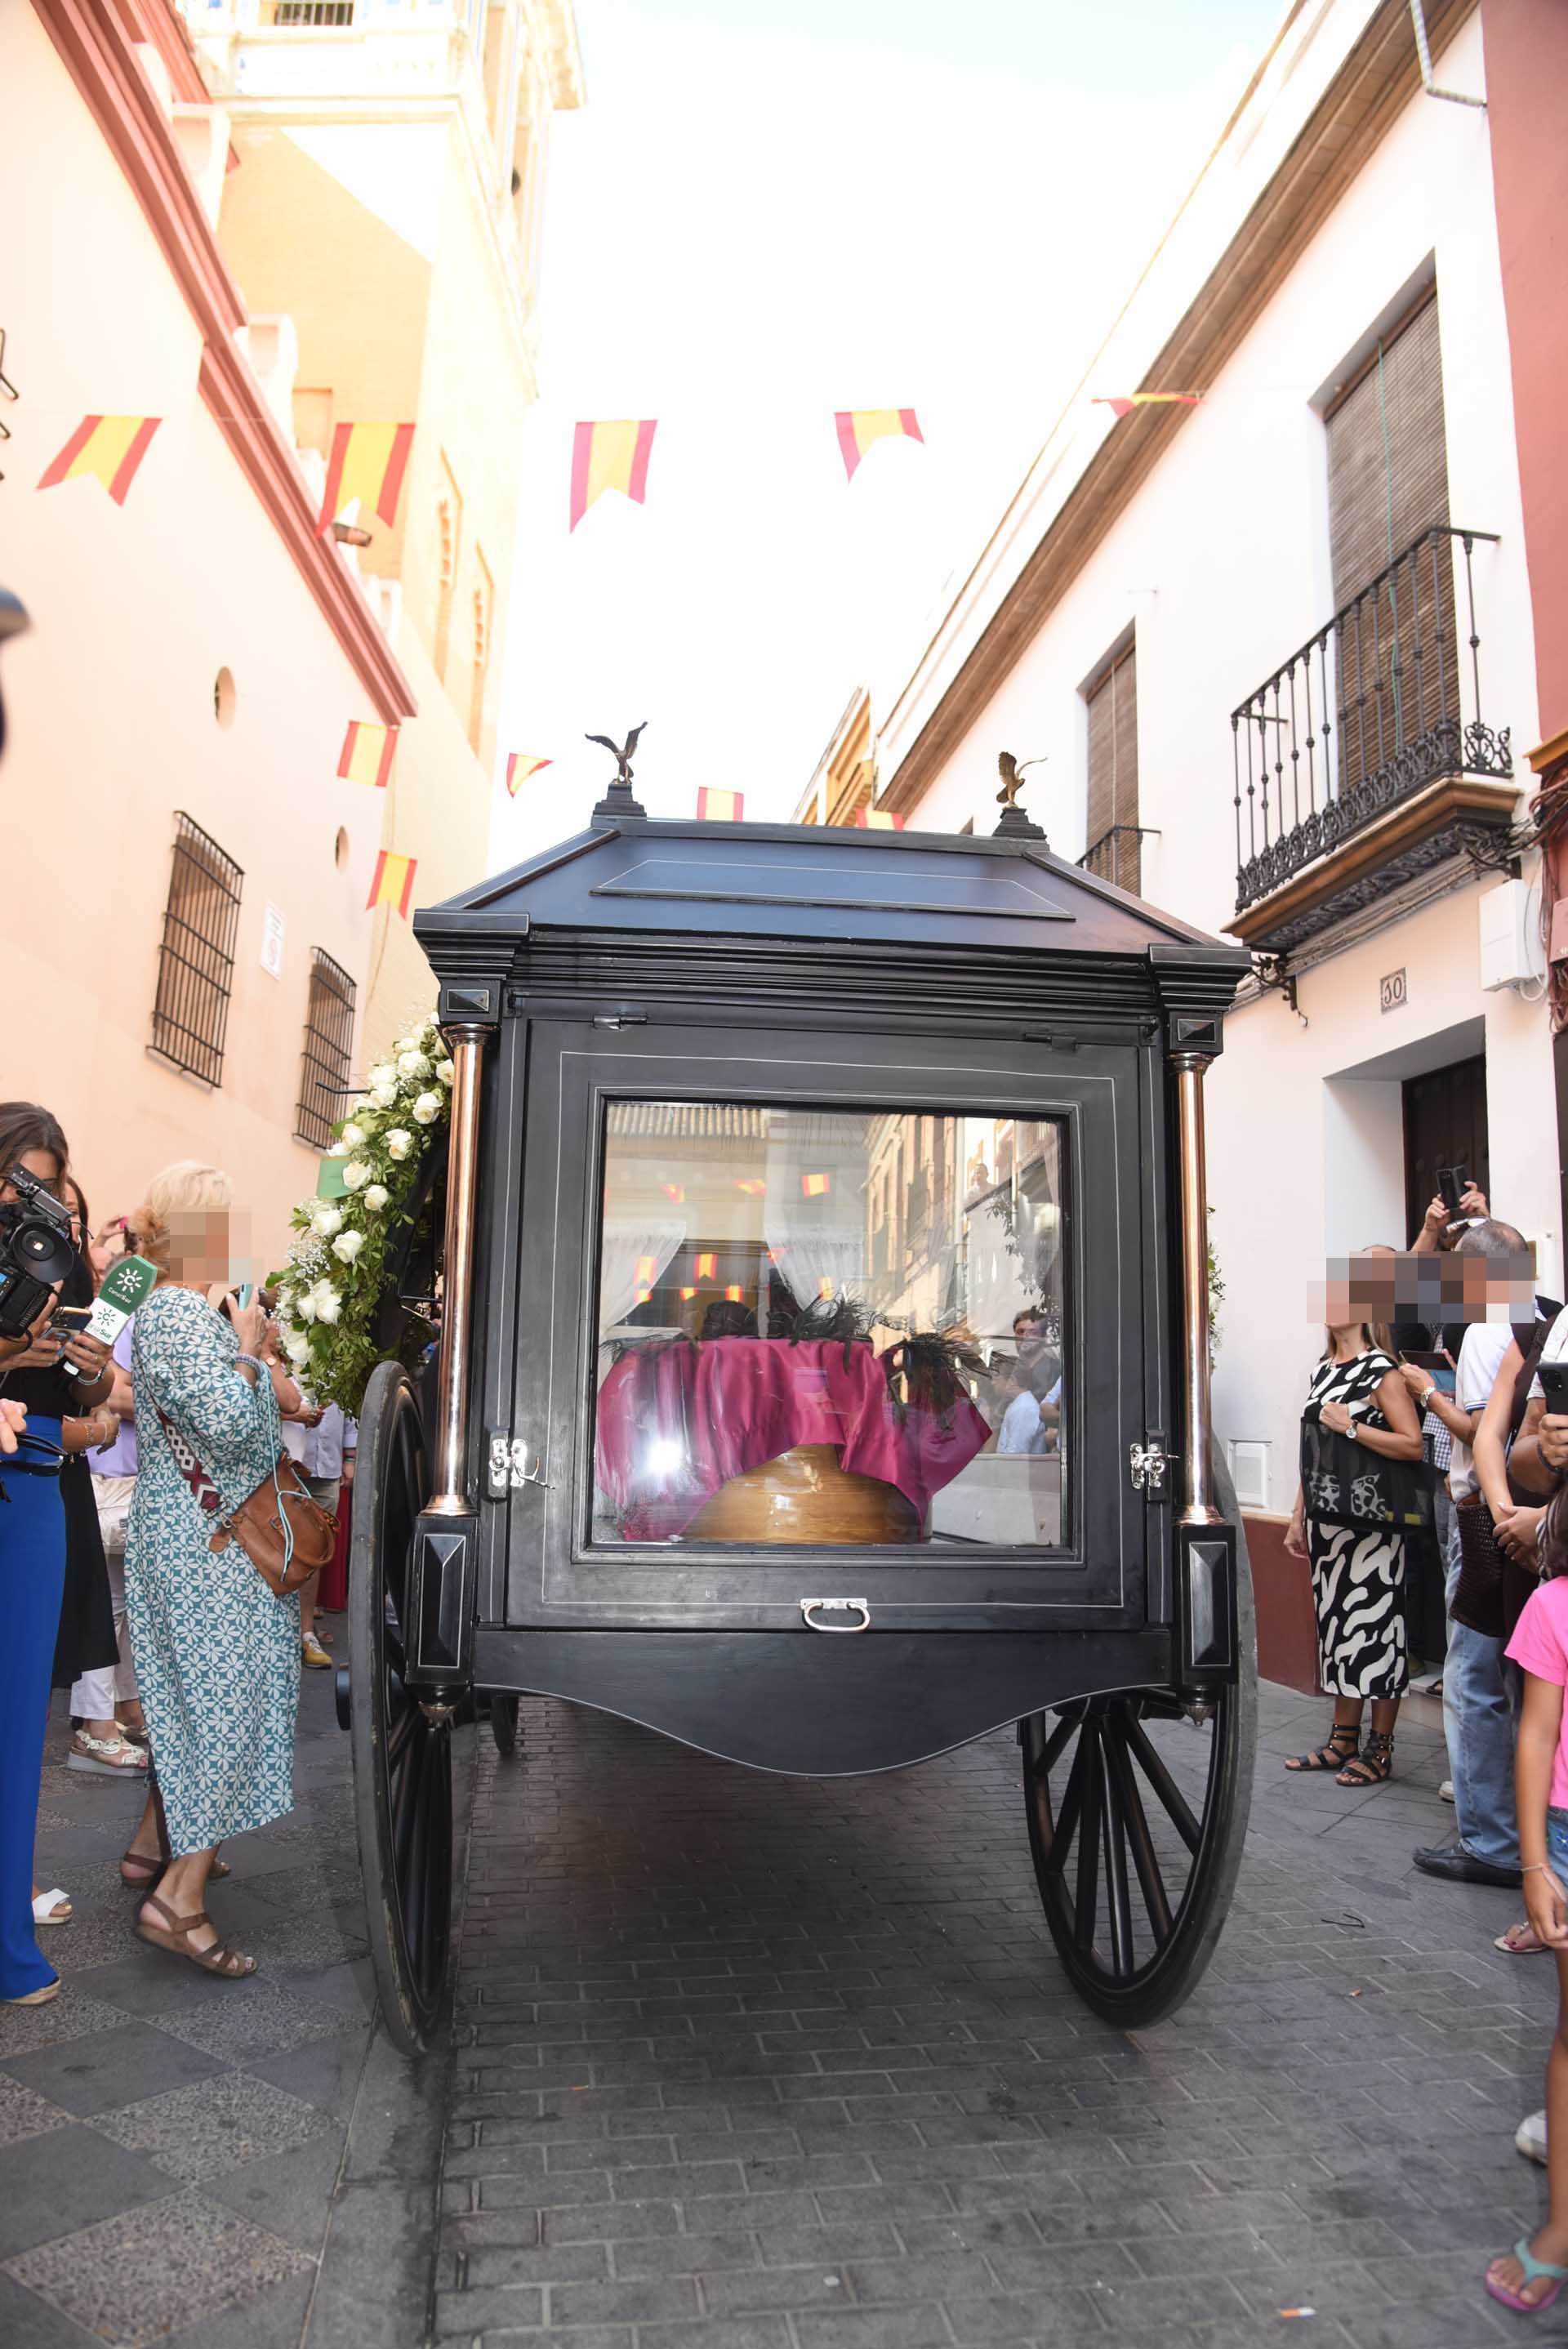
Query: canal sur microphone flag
(521,768)
(367,463)
(610,455)
(367,753)
(109,448)
(1123,403)
(393,884)
(719,807)
(859,427)
(879,819)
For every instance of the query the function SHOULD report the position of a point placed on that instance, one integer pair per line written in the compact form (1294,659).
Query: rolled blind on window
(1112,829)
(1388,484)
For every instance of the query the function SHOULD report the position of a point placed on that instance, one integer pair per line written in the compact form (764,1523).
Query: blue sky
(772,209)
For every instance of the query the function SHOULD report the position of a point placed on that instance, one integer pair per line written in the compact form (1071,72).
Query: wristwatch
(1427,1398)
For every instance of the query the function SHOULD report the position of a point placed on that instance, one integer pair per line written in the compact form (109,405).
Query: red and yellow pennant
(879,819)
(706,1265)
(610,456)
(109,448)
(1123,403)
(816,1187)
(860,427)
(367,463)
(393,882)
(719,807)
(367,753)
(521,768)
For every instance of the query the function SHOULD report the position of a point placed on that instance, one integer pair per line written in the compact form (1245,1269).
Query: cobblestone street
(751,2063)
(745,2063)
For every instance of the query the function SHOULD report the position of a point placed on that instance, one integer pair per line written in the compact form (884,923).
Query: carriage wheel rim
(402,1761)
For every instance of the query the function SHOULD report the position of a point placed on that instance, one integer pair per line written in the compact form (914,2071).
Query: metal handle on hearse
(1197,1483)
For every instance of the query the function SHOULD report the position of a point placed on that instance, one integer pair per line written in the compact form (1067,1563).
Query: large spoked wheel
(1137,1805)
(402,1759)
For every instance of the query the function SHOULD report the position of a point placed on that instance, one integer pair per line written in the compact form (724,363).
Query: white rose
(326,1221)
(355,1176)
(377,1196)
(412,1041)
(305,1305)
(353,1135)
(328,1304)
(413,1064)
(427,1109)
(337,1149)
(400,1142)
(384,1095)
(298,1349)
(383,1073)
(445,1071)
(348,1245)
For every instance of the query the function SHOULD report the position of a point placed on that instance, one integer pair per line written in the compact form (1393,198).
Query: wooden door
(1445,1125)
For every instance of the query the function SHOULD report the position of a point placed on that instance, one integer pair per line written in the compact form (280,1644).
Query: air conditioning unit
(1511,950)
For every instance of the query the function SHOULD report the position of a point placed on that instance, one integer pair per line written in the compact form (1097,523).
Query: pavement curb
(374,2286)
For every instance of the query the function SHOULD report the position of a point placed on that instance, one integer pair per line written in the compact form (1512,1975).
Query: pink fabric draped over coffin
(677,1421)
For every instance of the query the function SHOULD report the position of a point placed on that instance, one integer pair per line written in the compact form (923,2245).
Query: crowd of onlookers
(1438,1415)
(117,1460)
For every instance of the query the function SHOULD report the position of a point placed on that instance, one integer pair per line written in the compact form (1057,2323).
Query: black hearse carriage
(775,1151)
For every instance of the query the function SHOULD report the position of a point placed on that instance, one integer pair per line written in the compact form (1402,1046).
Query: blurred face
(199,1246)
(1029,1336)
(41,1162)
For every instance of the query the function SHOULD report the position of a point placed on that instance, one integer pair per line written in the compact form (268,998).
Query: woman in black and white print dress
(1358,1578)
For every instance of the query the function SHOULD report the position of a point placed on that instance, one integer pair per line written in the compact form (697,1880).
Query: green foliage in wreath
(1216,1300)
(330,1292)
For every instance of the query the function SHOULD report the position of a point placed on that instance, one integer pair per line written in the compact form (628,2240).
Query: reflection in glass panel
(830,1326)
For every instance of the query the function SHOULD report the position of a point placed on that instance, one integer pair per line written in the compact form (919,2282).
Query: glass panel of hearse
(833,1325)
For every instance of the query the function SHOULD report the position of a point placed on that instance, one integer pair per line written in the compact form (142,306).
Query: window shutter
(1388,484)
(1112,831)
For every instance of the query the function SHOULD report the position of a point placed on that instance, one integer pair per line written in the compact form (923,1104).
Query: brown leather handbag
(282,1528)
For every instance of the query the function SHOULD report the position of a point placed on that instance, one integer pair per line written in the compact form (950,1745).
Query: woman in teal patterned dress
(217,1654)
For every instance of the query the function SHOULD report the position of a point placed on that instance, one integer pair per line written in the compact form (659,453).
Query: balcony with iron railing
(1365,760)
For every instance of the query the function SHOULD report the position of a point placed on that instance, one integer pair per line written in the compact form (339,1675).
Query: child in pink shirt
(1532,2275)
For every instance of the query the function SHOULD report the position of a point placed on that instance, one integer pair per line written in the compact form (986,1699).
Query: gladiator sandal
(1344,1745)
(1373,1765)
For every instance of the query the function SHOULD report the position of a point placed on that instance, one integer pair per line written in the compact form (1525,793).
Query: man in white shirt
(1478,1718)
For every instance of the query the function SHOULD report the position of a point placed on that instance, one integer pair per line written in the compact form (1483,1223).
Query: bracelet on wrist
(259,1367)
(1536,1868)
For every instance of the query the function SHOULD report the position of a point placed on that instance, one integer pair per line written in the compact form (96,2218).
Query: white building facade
(1332,290)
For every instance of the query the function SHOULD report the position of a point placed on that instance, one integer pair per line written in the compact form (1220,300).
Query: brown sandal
(151,1869)
(232,1964)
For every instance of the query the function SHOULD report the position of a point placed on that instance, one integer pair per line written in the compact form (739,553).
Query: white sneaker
(1530,2138)
(1446,1791)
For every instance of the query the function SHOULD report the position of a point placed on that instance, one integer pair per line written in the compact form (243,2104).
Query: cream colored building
(1278,653)
(187,963)
(389,198)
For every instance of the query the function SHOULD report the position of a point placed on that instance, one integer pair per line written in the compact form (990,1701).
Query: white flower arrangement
(331,1291)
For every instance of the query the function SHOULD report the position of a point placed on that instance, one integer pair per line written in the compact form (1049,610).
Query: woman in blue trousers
(32,1575)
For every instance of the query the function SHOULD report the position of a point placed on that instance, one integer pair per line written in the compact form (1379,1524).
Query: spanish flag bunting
(109,448)
(686,1296)
(879,819)
(1123,403)
(610,456)
(676,1191)
(735,1295)
(367,753)
(647,1265)
(368,462)
(393,882)
(521,768)
(825,1289)
(815,1186)
(859,427)
(706,1266)
(719,807)
(754,1186)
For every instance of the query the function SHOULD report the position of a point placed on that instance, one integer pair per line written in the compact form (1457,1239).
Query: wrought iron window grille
(1387,667)
(196,959)
(328,1050)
